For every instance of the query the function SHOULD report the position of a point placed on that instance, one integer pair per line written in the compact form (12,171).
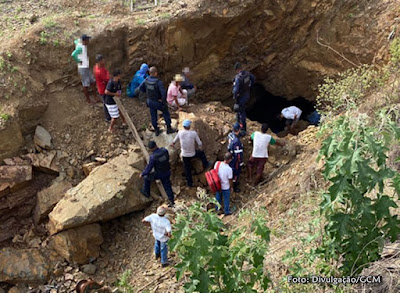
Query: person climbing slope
(235,147)
(161,228)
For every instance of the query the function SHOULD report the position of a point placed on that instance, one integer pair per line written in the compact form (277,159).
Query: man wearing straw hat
(176,97)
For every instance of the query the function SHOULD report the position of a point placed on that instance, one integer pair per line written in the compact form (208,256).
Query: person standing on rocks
(186,84)
(235,147)
(261,141)
(80,55)
(113,89)
(188,140)
(242,84)
(156,100)
(102,77)
(176,97)
(292,115)
(161,228)
(225,175)
(159,160)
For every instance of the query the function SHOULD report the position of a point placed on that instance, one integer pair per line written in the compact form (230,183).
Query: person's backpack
(244,82)
(213,179)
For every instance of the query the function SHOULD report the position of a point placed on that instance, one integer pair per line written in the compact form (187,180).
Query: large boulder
(48,198)
(23,266)
(42,138)
(79,245)
(109,191)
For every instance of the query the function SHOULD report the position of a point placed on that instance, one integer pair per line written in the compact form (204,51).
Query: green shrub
(123,283)
(220,260)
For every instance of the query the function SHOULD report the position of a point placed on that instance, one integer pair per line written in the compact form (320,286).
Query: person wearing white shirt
(188,140)
(225,175)
(292,115)
(261,141)
(161,227)
(80,55)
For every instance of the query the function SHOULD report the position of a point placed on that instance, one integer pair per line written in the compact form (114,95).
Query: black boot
(236,187)
(158,131)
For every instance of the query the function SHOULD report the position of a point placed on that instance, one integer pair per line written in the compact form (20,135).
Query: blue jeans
(226,194)
(157,105)
(166,182)
(188,165)
(161,248)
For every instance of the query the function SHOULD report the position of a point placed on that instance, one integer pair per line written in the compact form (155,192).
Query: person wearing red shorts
(261,141)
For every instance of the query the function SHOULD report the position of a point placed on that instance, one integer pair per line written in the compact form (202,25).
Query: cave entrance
(264,107)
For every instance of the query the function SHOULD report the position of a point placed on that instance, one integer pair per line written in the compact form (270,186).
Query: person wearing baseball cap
(159,160)
(161,228)
(80,55)
(235,147)
(188,140)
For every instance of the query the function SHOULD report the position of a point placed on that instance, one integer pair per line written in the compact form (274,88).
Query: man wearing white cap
(161,227)
(176,96)
(188,139)
(186,84)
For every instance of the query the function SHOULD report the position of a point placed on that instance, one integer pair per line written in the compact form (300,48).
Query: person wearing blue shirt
(156,100)
(159,160)
(235,147)
(242,84)
(137,80)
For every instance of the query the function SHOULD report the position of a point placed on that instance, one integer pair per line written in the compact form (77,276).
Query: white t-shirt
(84,58)
(260,144)
(188,140)
(159,225)
(290,112)
(225,174)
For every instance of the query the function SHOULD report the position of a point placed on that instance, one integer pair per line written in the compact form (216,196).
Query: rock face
(10,139)
(42,137)
(79,245)
(23,266)
(48,198)
(111,190)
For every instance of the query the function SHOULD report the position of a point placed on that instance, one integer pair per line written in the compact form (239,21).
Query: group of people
(145,83)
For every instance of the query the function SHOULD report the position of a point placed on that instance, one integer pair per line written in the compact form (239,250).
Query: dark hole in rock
(264,107)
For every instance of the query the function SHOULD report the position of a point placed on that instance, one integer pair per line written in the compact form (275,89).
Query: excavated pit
(264,107)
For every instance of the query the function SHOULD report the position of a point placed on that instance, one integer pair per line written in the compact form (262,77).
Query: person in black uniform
(156,100)
(159,160)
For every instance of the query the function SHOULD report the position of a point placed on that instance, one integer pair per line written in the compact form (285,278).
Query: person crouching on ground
(225,175)
(159,160)
(161,227)
(113,89)
(176,97)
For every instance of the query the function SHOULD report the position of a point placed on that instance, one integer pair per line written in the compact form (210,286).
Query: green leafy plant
(357,206)
(4,116)
(220,260)
(49,22)
(2,63)
(347,90)
(395,51)
(43,38)
(123,282)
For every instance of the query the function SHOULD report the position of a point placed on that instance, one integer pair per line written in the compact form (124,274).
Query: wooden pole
(139,141)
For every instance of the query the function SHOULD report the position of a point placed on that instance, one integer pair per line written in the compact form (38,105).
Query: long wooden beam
(140,142)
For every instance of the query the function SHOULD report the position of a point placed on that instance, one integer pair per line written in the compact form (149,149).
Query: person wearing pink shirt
(176,97)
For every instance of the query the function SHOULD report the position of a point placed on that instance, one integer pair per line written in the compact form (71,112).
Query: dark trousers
(166,182)
(157,105)
(241,114)
(106,114)
(188,165)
